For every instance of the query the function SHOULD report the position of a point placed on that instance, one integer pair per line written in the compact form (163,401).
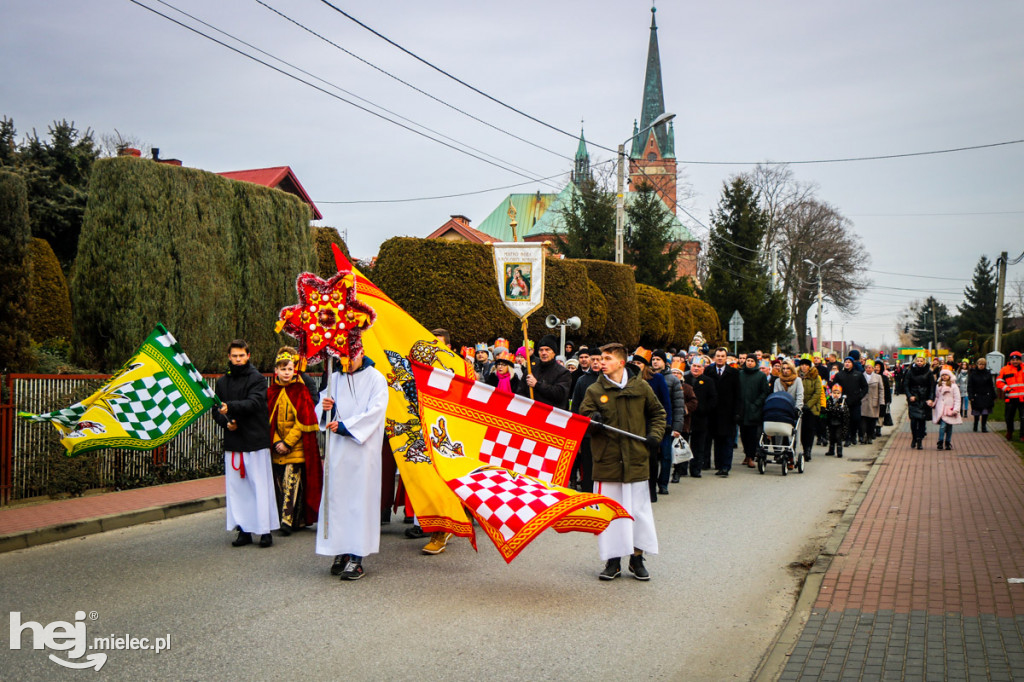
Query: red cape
(306,416)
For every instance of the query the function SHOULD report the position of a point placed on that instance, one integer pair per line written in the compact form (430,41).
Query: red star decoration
(328,319)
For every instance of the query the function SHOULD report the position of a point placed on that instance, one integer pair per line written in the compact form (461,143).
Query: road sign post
(735,330)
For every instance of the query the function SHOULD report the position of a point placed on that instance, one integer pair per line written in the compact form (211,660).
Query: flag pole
(327,439)
(526,345)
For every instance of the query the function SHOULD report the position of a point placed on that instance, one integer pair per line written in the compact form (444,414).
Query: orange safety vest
(1011,382)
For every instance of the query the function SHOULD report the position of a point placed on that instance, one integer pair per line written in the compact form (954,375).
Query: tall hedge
(50,299)
(15,272)
(618,285)
(691,315)
(453,285)
(655,314)
(323,237)
(211,258)
(593,334)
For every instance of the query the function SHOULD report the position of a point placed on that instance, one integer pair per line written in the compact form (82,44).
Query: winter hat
(660,352)
(850,358)
(521,351)
(572,363)
(855,355)
(583,350)
(806,362)
(549,340)
(1015,354)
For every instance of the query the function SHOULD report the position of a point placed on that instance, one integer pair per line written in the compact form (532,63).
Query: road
(722,586)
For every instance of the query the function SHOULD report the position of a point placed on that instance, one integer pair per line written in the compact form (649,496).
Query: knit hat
(855,355)
(572,363)
(549,340)
(659,352)
(583,350)
(1015,354)
(642,354)
(521,351)
(806,362)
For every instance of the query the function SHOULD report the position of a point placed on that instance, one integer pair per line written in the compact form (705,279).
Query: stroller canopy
(780,407)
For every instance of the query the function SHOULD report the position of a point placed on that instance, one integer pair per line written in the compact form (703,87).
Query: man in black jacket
(707,400)
(855,387)
(722,422)
(251,505)
(550,381)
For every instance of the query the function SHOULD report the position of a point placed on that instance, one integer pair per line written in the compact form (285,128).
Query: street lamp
(818,267)
(620,195)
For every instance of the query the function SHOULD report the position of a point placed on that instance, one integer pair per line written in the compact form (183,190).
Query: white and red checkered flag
(507,458)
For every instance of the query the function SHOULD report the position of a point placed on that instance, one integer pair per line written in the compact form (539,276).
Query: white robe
(622,536)
(349,521)
(250,501)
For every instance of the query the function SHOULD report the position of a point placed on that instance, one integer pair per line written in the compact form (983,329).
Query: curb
(101,524)
(774,661)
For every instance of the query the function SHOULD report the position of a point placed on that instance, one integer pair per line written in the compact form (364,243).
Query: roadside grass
(999,415)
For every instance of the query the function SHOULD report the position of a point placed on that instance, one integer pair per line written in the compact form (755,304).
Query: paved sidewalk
(924,585)
(35,524)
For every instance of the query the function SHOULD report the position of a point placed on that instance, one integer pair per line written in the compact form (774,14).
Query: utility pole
(935,327)
(831,337)
(775,274)
(1001,279)
(620,206)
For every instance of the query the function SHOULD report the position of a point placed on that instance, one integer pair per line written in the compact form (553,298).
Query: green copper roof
(544,215)
(581,150)
(654,103)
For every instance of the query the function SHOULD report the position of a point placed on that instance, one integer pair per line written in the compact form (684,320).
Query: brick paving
(919,588)
(32,517)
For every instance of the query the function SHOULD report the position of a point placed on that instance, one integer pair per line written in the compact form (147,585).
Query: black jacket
(552,384)
(981,389)
(919,383)
(855,386)
(580,390)
(707,399)
(727,387)
(244,390)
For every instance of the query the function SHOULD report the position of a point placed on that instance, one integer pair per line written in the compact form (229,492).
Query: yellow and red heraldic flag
(507,458)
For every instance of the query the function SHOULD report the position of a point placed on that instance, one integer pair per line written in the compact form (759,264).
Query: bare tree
(814,230)
(777,190)
(1015,296)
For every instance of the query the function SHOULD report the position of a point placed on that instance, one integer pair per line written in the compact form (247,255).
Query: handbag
(887,419)
(681,451)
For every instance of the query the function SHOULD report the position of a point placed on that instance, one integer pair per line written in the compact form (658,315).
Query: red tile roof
(278,177)
(468,233)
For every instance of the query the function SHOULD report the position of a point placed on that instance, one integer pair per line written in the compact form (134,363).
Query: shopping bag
(681,451)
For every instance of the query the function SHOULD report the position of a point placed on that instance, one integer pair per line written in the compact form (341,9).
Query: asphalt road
(722,586)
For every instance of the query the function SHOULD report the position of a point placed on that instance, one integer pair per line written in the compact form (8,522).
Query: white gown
(349,521)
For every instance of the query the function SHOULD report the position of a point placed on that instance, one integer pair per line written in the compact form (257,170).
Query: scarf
(505,382)
(786,383)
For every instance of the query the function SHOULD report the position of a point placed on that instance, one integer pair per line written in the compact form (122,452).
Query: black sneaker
(663,490)
(353,570)
(338,567)
(266,540)
(414,533)
(612,570)
(242,539)
(949,446)
(636,567)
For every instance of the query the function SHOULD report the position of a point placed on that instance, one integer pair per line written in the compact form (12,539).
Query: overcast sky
(748,81)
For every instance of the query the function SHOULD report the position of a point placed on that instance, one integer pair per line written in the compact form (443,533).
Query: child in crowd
(837,416)
(946,410)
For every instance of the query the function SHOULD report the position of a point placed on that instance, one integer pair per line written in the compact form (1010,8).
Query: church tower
(581,167)
(652,158)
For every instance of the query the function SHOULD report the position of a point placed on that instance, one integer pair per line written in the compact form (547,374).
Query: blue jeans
(945,432)
(665,471)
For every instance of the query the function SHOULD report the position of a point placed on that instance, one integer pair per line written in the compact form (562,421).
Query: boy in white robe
(353,414)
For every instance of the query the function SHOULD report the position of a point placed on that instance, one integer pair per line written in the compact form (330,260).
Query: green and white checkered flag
(156,394)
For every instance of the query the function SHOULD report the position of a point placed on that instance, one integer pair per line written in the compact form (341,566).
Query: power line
(904,274)
(328,93)
(915,215)
(406,83)
(440,196)
(856,158)
(337,87)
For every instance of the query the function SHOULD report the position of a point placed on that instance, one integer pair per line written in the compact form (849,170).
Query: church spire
(654,100)
(581,167)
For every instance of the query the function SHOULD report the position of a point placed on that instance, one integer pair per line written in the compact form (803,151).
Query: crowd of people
(709,399)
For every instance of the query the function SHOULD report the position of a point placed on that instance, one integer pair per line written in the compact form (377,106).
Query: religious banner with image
(520,271)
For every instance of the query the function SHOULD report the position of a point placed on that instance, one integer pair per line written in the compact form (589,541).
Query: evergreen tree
(651,247)
(589,223)
(737,278)
(15,272)
(923,331)
(978,312)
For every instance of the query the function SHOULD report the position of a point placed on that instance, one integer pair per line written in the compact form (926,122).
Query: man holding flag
(622,464)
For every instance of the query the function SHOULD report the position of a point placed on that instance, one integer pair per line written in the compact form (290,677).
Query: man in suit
(722,424)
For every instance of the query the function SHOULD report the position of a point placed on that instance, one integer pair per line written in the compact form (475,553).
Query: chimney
(129,151)
(169,162)
(461,219)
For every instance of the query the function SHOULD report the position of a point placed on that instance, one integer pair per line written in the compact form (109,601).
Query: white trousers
(251,503)
(622,536)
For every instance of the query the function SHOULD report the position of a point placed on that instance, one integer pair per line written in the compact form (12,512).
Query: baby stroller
(778,439)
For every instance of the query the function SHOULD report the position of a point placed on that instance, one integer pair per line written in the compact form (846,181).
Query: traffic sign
(736,327)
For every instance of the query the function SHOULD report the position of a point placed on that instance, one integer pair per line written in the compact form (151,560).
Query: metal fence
(25,447)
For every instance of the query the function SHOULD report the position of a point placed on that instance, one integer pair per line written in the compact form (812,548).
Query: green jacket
(633,408)
(812,391)
(754,389)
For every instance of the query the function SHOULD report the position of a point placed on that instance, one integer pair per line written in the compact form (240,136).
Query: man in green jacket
(754,389)
(621,464)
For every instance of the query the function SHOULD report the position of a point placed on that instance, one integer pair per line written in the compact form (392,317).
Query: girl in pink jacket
(946,410)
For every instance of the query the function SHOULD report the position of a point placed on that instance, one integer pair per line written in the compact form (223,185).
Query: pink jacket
(947,401)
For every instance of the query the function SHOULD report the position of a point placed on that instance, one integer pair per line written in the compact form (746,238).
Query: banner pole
(526,345)
(327,439)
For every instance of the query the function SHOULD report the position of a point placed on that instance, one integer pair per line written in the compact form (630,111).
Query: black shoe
(675,478)
(830,453)
(242,539)
(353,570)
(722,472)
(385,516)
(984,429)
(939,445)
(949,446)
(920,445)
(285,529)
(839,455)
(612,570)
(696,475)
(415,533)
(636,567)
(338,567)
(266,540)
(807,457)
(663,490)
